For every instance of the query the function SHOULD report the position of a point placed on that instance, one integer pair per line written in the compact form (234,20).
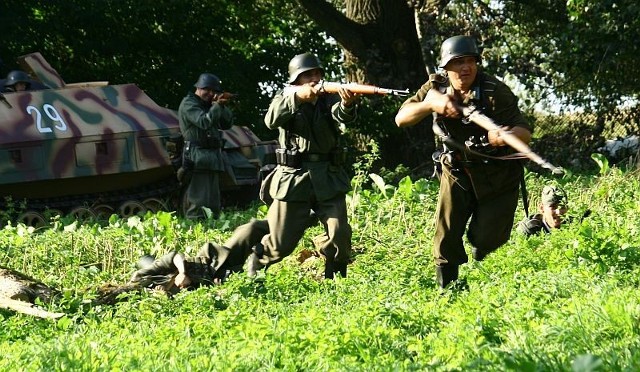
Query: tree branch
(345,31)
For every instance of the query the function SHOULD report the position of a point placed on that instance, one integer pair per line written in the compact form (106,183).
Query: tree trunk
(381,47)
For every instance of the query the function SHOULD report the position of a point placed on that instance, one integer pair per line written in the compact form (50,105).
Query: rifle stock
(331,87)
(471,113)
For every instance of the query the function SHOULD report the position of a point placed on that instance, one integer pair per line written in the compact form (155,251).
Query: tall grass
(566,301)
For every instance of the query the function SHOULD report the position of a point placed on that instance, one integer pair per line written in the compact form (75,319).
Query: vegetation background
(568,301)
(562,57)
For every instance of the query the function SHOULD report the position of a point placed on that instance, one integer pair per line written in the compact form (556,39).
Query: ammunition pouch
(294,159)
(289,158)
(339,156)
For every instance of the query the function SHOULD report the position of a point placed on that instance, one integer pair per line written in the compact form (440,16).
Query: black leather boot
(446,275)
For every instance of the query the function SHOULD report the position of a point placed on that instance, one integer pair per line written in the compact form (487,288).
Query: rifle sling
(447,139)
(453,143)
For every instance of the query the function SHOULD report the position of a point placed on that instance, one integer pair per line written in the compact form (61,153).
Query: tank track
(35,212)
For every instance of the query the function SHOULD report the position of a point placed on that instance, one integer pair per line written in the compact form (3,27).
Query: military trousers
(243,239)
(289,220)
(490,220)
(202,191)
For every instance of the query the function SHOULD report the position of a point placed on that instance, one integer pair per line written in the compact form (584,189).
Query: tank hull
(69,146)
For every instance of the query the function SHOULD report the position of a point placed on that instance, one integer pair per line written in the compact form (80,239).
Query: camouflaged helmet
(553,195)
(456,47)
(211,81)
(301,63)
(17,76)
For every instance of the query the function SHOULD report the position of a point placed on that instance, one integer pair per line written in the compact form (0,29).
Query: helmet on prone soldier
(211,81)
(302,63)
(456,47)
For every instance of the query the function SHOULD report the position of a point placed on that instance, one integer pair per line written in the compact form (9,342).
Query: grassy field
(567,301)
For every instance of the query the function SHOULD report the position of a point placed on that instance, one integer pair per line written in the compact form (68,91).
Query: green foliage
(163,45)
(573,50)
(563,301)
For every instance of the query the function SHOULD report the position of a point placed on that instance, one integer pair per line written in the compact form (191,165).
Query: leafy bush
(564,301)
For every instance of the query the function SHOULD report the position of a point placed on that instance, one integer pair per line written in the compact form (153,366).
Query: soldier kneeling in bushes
(553,210)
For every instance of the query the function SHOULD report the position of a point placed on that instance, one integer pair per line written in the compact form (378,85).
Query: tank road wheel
(103,211)
(82,213)
(131,208)
(51,213)
(155,205)
(31,218)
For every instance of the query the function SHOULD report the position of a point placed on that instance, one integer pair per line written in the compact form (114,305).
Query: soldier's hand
(182,280)
(307,92)
(443,104)
(221,98)
(348,97)
(495,136)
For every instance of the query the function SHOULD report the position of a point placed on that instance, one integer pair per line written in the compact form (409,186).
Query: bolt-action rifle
(473,114)
(331,87)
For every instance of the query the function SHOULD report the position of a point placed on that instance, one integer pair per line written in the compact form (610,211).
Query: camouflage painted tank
(93,149)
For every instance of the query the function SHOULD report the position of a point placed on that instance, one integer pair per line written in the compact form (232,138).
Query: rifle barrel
(332,87)
(510,139)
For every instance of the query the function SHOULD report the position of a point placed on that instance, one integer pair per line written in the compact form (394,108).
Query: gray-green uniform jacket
(317,181)
(200,124)
(309,129)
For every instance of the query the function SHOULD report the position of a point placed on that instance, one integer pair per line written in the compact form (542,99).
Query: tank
(93,149)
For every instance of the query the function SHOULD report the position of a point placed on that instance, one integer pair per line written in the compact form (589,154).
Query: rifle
(331,87)
(473,114)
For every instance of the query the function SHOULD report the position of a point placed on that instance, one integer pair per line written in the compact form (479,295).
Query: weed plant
(564,301)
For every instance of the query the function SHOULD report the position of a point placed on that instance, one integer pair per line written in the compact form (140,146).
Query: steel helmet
(145,261)
(17,76)
(301,63)
(211,81)
(456,47)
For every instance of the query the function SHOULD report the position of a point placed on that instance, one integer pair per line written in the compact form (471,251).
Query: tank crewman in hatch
(202,114)
(17,81)
(474,188)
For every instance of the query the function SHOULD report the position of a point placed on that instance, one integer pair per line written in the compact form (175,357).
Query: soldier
(553,209)
(202,115)
(310,173)
(476,187)
(17,81)
(211,265)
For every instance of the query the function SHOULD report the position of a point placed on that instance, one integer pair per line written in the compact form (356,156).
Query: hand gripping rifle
(473,114)
(331,87)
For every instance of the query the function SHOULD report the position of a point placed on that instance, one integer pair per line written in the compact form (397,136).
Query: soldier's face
(311,76)
(462,72)
(554,214)
(206,94)
(20,87)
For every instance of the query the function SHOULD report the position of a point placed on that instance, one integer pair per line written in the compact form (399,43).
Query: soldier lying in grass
(212,264)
